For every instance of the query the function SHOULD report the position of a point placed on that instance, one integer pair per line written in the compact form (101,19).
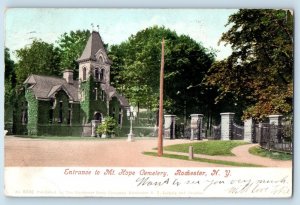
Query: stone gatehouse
(64,103)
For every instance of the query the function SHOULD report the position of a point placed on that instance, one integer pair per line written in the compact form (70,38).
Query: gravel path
(114,153)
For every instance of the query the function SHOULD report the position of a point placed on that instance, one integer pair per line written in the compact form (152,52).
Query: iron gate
(237,132)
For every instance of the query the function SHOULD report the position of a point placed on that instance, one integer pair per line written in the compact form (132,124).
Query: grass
(270,154)
(213,148)
(197,159)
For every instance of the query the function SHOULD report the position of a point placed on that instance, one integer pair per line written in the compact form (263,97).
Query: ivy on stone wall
(89,104)
(85,103)
(32,113)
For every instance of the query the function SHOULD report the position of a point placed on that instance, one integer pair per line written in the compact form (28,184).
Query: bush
(107,127)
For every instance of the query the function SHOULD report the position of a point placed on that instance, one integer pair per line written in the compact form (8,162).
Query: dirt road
(115,153)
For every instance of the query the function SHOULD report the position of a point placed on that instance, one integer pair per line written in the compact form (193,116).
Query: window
(96,93)
(83,73)
(60,112)
(69,120)
(51,111)
(24,113)
(101,74)
(102,95)
(120,117)
(96,73)
(113,112)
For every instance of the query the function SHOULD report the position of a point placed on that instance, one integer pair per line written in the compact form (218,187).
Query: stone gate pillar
(196,126)
(169,127)
(275,119)
(248,130)
(226,125)
(275,132)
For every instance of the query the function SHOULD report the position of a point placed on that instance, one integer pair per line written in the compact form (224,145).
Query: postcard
(149,102)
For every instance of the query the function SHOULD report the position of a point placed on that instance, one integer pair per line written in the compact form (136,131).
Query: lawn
(270,154)
(198,159)
(213,148)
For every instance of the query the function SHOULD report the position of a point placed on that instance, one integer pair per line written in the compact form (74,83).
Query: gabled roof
(45,87)
(93,45)
(123,101)
(112,92)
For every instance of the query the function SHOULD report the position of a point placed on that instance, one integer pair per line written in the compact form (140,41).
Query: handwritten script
(149,182)
(204,181)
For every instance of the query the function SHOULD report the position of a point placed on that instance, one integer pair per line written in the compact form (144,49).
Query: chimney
(68,76)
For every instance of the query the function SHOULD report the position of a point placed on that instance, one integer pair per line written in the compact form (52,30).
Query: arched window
(84,73)
(102,95)
(101,74)
(113,112)
(96,93)
(96,73)
(120,117)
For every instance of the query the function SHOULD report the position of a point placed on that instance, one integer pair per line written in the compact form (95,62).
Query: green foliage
(270,154)
(221,148)
(108,126)
(89,105)
(71,46)
(85,90)
(32,113)
(258,75)
(136,69)
(38,58)
(9,83)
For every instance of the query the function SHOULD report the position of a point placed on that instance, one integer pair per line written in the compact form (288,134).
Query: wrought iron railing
(215,133)
(275,137)
(237,132)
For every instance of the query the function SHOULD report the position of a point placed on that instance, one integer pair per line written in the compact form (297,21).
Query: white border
(294,4)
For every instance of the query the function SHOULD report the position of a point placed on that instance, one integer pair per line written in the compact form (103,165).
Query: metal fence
(15,128)
(215,133)
(183,131)
(275,137)
(237,132)
(64,130)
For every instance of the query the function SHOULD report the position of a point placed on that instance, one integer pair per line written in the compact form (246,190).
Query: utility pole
(161,101)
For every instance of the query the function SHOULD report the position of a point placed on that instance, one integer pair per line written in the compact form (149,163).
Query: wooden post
(161,101)
(191,153)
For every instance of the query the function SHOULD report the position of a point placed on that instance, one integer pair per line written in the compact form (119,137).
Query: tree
(10,82)
(258,75)
(38,58)
(136,69)
(71,46)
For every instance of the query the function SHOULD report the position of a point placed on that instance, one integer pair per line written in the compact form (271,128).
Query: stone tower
(94,61)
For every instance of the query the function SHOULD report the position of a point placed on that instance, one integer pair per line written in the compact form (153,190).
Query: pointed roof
(93,45)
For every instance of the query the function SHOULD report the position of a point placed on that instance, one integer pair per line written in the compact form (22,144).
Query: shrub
(107,127)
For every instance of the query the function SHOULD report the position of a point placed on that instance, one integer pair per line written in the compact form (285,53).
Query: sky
(116,25)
